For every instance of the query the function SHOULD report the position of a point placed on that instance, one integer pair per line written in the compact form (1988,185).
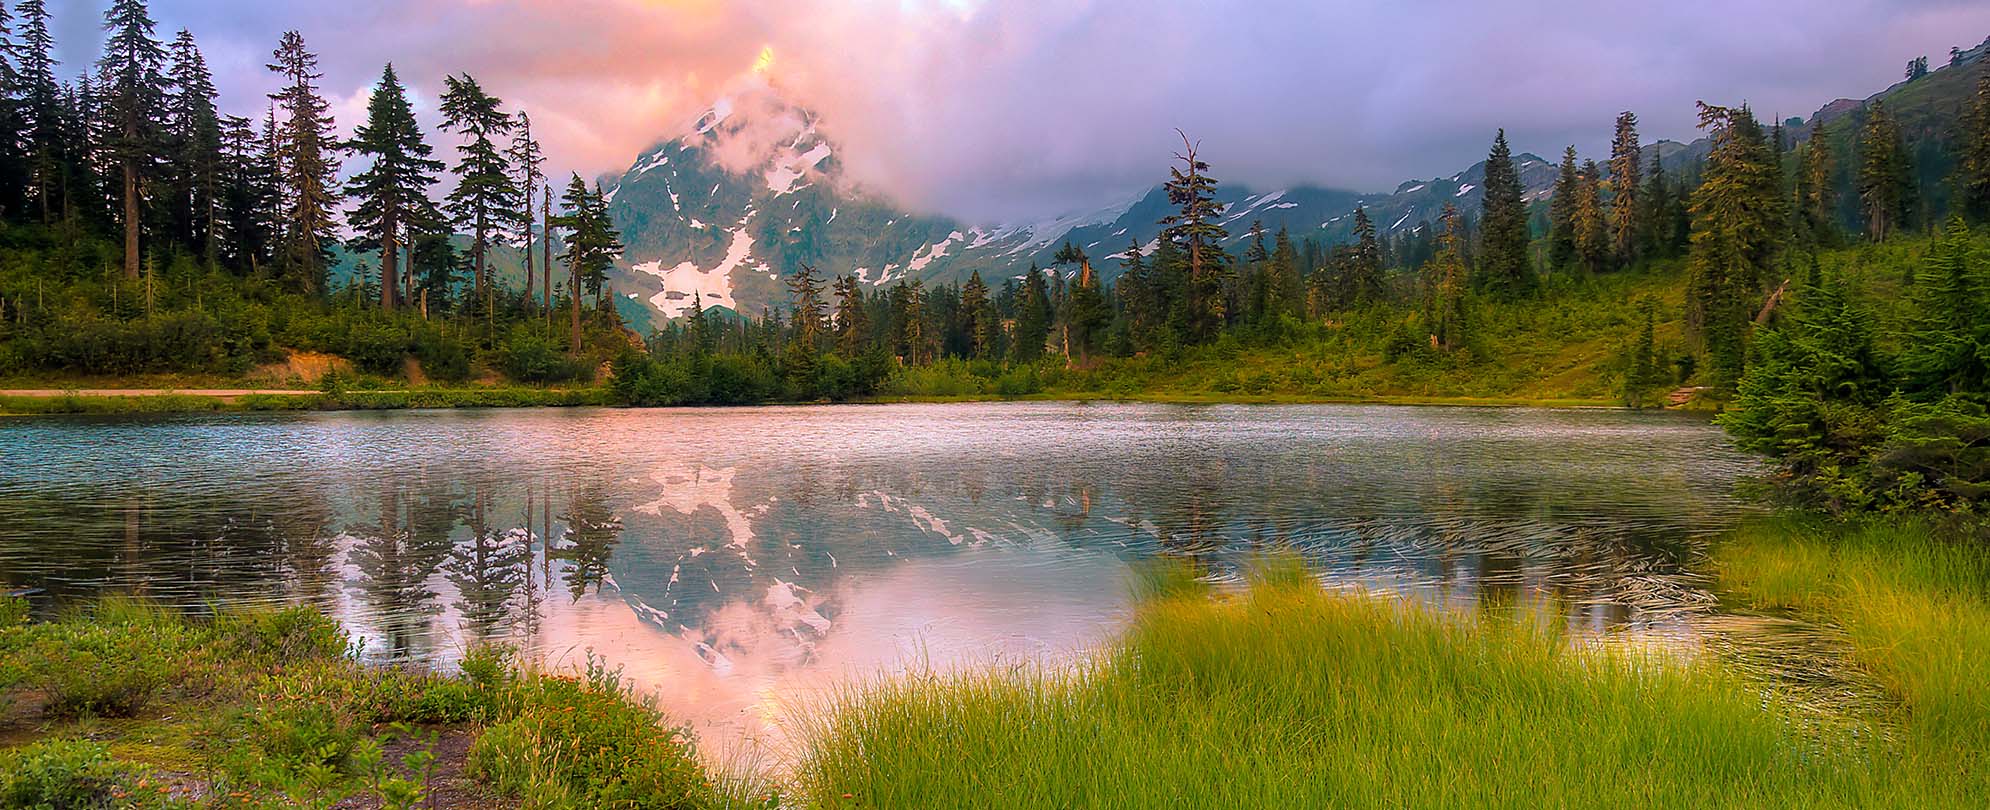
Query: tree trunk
(528,250)
(546,252)
(390,263)
(130,219)
(573,295)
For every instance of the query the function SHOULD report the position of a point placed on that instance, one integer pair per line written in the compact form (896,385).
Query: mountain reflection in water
(737,560)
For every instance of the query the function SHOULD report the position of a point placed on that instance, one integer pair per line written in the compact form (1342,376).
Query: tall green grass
(1913,599)
(1288,696)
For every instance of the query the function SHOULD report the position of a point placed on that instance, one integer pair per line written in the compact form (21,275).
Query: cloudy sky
(1001,110)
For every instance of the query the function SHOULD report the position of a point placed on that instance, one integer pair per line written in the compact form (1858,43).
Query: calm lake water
(736,560)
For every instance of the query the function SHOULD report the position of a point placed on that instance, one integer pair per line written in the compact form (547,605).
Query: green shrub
(528,355)
(285,635)
(64,775)
(13,611)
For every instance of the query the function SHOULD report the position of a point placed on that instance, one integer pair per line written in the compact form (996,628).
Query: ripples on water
(736,558)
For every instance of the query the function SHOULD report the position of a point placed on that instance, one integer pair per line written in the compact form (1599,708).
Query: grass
(126,704)
(1913,600)
(1288,696)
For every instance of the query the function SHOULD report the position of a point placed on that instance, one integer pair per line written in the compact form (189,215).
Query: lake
(736,561)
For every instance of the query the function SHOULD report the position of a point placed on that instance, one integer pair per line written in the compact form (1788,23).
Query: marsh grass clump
(1913,598)
(586,741)
(1290,696)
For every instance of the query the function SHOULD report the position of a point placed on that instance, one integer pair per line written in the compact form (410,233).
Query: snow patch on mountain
(713,287)
(936,250)
(781,179)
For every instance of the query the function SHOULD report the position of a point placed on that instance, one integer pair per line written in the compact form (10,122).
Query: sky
(1002,111)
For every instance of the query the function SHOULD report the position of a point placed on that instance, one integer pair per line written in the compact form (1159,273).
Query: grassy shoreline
(1281,695)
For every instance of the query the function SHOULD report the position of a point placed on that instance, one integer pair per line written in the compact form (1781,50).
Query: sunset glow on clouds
(993,110)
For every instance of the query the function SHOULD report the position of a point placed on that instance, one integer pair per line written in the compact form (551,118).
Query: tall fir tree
(305,152)
(193,125)
(1886,175)
(852,321)
(811,313)
(1087,313)
(1561,214)
(1284,291)
(1195,228)
(979,311)
(592,245)
(485,199)
(1445,282)
(1365,281)
(527,157)
(1032,317)
(41,99)
(1626,161)
(1592,220)
(133,120)
(14,163)
(392,193)
(1506,270)
(249,194)
(1737,217)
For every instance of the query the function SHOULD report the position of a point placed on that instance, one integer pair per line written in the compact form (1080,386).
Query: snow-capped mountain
(752,189)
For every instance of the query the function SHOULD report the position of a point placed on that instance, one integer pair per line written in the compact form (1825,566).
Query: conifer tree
(1643,370)
(1194,227)
(1365,278)
(592,244)
(1257,259)
(1592,223)
(41,108)
(1139,295)
(1736,213)
(14,164)
(1284,293)
(1506,270)
(1653,224)
(193,125)
(1087,313)
(526,155)
(980,316)
(1626,160)
(1562,214)
(1886,175)
(304,151)
(1949,349)
(1445,281)
(248,195)
(1032,317)
(908,303)
(392,194)
(134,99)
(811,313)
(699,326)
(86,196)
(485,198)
(1973,155)
(852,322)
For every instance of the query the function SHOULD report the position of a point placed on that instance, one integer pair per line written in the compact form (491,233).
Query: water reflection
(737,559)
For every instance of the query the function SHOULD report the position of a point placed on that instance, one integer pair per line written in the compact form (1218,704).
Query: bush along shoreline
(125,704)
